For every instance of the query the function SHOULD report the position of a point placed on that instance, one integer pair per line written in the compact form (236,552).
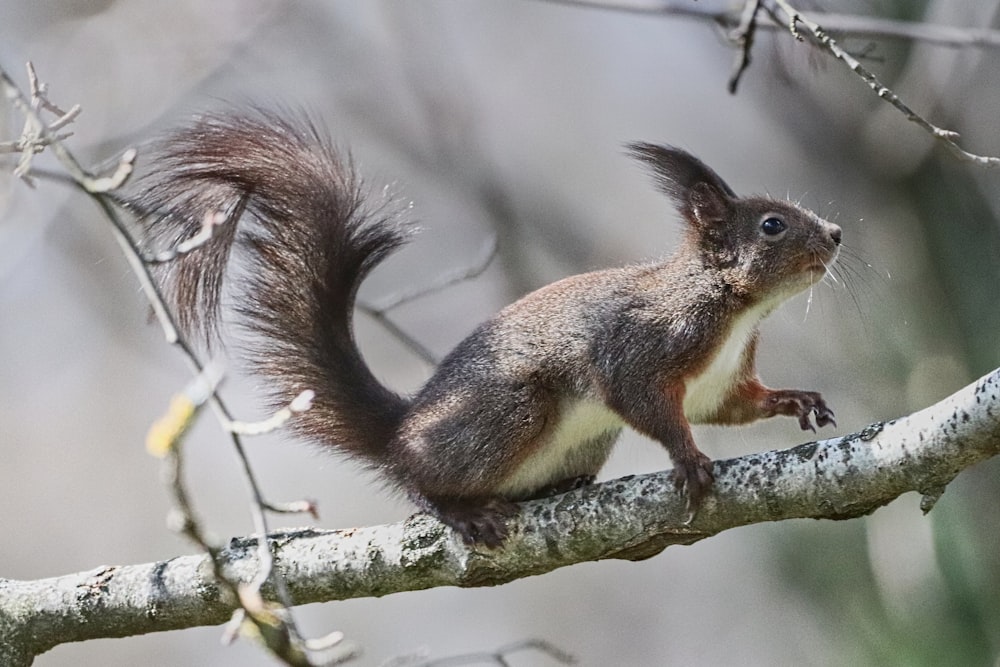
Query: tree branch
(742,37)
(629,518)
(742,24)
(847,25)
(823,39)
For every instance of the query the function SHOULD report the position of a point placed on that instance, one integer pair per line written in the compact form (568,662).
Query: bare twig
(305,506)
(848,25)
(501,655)
(418,348)
(36,135)
(300,403)
(164,440)
(825,41)
(39,135)
(742,37)
(212,220)
(269,623)
(487,254)
(380,312)
(853,26)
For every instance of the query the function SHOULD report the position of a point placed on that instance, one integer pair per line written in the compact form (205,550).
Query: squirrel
(531,402)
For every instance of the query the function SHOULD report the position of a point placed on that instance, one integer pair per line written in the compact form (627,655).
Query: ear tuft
(699,194)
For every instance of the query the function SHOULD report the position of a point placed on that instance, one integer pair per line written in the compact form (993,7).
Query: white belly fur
(706,391)
(566,453)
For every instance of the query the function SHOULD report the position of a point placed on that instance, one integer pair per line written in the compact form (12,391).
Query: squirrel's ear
(699,194)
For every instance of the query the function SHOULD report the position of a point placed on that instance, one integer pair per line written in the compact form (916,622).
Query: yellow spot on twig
(167,430)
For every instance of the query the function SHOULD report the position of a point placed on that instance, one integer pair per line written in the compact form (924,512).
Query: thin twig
(848,25)
(500,656)
(824,40)
(300,403)
(305,506)
(487,254)
(844,24)
(380,312)
(257,507)
(400,334)
(268,621)
(37,135)
(97,187)
(165,439)
(742,37)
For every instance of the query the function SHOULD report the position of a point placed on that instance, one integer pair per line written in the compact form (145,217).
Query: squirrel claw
(805,423)
(690,512)
(824,416)
(695,477)
(478,521)
(805,405)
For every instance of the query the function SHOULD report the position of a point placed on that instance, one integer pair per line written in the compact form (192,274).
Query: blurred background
(507,119)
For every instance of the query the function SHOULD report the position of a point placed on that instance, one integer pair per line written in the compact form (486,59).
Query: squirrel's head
(762,245)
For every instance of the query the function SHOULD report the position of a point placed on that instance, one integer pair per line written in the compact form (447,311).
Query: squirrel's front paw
(800,404)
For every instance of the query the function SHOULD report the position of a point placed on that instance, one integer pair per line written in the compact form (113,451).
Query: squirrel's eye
(773,226)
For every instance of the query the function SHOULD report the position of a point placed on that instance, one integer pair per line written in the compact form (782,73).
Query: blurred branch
(629,518)
(846,25)
(742,37)
(497,657)
(380,311)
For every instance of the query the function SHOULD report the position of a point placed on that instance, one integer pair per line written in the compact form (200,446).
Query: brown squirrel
(531,402)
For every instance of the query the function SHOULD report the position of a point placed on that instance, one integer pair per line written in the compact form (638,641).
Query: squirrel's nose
(835,233)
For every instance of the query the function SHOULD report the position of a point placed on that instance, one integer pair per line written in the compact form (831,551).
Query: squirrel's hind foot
(477,520)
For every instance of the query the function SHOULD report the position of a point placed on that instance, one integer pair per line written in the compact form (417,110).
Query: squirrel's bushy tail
(312,234)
